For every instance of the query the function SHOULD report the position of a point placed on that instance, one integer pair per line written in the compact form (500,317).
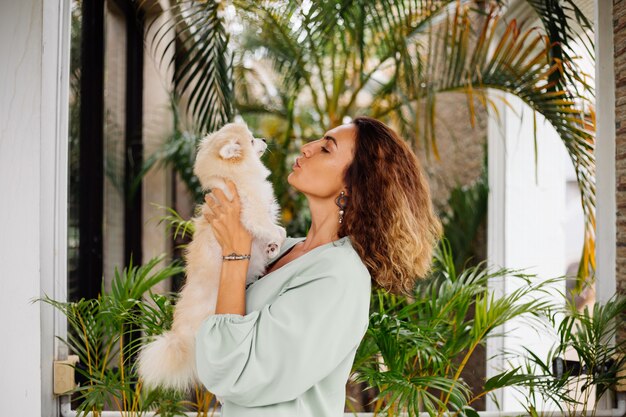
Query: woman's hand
(225,219)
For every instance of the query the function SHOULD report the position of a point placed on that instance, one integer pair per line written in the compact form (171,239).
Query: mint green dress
(291,354)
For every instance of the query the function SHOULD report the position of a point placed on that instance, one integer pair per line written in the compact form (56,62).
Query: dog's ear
(231,150)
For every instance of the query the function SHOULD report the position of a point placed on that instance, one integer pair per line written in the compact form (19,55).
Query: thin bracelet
(234,257)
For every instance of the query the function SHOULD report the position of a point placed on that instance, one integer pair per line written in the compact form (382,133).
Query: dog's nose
(263,140)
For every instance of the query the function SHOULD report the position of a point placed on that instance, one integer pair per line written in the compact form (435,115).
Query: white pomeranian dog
(230,153)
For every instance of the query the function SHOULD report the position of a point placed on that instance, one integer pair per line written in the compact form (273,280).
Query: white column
(606,206)
(526,222)
(605,152)
(34,45)
(496,241)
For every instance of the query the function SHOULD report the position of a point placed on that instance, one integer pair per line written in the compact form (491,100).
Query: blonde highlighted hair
(389,214)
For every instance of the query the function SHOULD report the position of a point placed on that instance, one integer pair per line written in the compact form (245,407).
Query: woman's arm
(231,296)
(225,219)
(277,352)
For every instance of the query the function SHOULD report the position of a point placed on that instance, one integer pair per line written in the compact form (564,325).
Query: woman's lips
(296,164)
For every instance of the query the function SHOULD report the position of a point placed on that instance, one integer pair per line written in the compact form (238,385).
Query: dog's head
(231,152)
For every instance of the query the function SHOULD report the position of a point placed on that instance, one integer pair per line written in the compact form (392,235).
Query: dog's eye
(252,141)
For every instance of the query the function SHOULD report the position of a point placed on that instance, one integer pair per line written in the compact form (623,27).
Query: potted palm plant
(105,334)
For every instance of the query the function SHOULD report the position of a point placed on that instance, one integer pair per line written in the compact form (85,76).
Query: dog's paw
(272,249)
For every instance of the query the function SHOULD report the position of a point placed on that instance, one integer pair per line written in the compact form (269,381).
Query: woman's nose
(304,149)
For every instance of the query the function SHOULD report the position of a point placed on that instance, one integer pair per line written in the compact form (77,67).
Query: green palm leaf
(190,40)
(425,343)
(517,62)
(566,25)
(402,54)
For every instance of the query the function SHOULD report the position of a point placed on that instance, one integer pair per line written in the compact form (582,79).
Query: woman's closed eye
(325,150)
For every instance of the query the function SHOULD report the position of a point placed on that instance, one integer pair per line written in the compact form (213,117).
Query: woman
(285,345)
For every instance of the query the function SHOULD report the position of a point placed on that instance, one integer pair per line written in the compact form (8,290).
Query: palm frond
(517,62)
(425,342)
(103,332)
(566,25)
(174,221)
(189,40)
(588,338)
(333,50)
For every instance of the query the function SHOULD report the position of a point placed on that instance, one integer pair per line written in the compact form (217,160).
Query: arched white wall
(526,222)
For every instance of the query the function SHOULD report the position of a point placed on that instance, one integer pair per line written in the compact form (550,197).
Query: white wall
(605,152)
(527,222)
(33,131)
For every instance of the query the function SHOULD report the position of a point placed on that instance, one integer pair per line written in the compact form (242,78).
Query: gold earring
(341,202)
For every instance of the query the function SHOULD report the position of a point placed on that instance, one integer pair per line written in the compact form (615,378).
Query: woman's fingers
(207,212)
(225,219)
(220,196)
(233,191)
(209,200)
(218,206)
(223,200)
(211,205)
(211,210)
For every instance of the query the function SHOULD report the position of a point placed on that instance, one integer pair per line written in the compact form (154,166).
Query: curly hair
(389,214)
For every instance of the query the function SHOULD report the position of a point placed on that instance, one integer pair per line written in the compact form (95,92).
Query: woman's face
(319,171)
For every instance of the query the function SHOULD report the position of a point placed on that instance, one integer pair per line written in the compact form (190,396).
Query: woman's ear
(231,150)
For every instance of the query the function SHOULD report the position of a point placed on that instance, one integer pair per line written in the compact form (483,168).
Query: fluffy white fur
(231,152)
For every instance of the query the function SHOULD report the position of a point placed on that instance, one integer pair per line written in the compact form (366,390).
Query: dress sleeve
(277,353)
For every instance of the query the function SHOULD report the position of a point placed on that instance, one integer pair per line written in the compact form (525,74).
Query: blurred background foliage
(294,69)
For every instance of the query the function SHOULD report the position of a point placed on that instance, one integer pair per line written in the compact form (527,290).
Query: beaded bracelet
(234,257)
